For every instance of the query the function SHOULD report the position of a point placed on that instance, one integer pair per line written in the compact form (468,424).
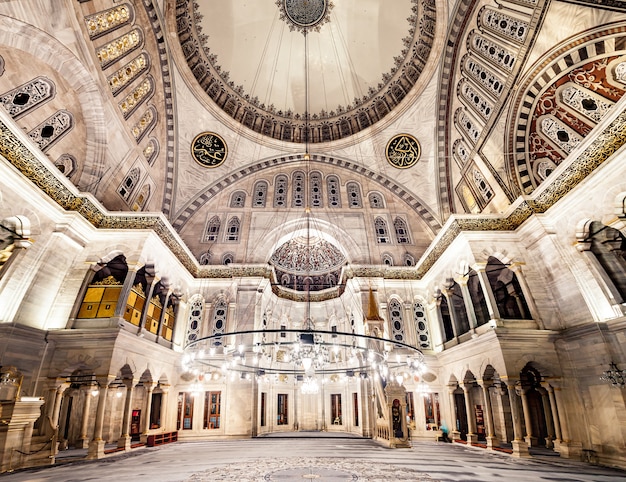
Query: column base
(568,449)
(492,443)
(124,442)
(143,438)
(549,443)
(520,449)
(531,441)
(472,439)
(96,449)
(455,435)
(82,443)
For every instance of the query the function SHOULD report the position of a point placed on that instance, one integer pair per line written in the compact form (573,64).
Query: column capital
(485,383)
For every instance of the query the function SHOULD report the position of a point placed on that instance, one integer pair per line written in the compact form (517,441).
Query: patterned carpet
(308,468)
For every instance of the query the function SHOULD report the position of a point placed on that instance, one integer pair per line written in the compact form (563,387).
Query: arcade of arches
(457,189)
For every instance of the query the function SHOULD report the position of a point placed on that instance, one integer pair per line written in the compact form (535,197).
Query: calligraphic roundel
(209,149)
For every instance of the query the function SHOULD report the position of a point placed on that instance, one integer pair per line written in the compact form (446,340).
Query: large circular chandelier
(309,356)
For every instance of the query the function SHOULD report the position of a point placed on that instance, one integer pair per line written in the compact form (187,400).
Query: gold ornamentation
(107,20)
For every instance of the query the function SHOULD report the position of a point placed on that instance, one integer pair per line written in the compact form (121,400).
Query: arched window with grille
(129,184)
(299,191)
(232,230)
(280,191)
(212,229)
(354,195)
(482,186)
(402,231)
(376,200)
(218,325)
(315,190)
(382,233)
(333,191)
(421,326)
(196,310)
(238,199)
(397,320)
(260,194)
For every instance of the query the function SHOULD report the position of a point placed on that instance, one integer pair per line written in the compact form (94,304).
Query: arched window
(609,247)
(507,291)
(387,259)
(482,186)
(66,163)
(238,199)
(333,191)
(376,200)
(478,298)
(260,194)
(212,229)
(151,151)
(127,187)
(228,258)
(382,234)
(142,198)
(402,231)
(421,326)
(315,187)
(455,299)
(52,129)
(205,258)
(232,231)
(446,319)
(354,195)
(280,191)
(195,320)
(298,189)
(397,320)
(220,312)
(26,97)
(409,260)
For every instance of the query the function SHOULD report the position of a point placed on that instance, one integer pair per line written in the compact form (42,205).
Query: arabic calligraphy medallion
(209,149)
(403,151)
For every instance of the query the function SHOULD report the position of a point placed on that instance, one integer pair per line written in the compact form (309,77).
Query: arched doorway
(536,426)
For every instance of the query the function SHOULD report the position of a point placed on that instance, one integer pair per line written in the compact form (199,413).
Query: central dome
(362,57)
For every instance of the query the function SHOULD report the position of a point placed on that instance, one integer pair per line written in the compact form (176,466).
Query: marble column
(454,433)
(490,300)
(164,407)
(492,440)
(545,401)
(530,438)
(149,388)
(83,441)
(96,446)
(125,441)
(58,398)
(472,437)
(453,317)
(555,414)
(520,447)
(528,297)
(467,300)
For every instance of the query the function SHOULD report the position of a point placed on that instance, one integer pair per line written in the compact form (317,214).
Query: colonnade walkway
(325,459)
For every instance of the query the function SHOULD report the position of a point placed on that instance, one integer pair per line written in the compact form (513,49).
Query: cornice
(23,155)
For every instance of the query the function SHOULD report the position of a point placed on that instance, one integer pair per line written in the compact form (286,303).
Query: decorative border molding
(18,154)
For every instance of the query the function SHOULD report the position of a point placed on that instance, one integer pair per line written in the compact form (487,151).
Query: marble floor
(310,458)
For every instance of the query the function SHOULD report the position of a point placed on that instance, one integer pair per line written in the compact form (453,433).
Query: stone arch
(431,224)
(47,49)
